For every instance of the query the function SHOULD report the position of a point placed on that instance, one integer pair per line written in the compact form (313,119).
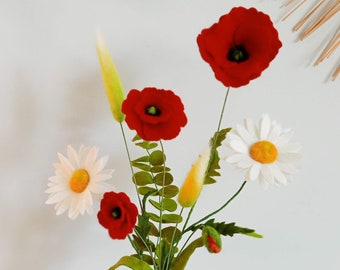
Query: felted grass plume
(113,86)
(193,184)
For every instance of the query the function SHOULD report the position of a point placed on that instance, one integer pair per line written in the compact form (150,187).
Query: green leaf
(142,159)
(213,167)
(147,145)
(254,234)
(171,218)
(147,190)
(142,166)
(142,178)
(181,261)
(168,205)
(145,257)
(143,244)
(136,138)
(230,229)
(131,262)
(143,226)
(153,229)
(163,178)
(169,191)
(162,249)
(157,158)
(166,218)
(157,169)
(171,233)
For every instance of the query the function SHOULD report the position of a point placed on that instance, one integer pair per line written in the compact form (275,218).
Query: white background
(52,95)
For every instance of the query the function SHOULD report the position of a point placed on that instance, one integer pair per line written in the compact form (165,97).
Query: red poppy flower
(239,46)
(117,214)
(154,113)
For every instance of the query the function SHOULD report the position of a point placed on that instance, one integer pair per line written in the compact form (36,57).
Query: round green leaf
(145,190)
(163,178)
(169,191)
(142,178)
(171,233)
(157,157)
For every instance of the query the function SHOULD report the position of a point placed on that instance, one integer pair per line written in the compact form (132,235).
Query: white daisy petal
(244,134)
(72,195)
(254,171)
(264,127)
(239,146)
(249,146)
(252,129)
(234,158)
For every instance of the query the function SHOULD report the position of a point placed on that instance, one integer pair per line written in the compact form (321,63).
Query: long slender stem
(168,258)
(223,109)
(161,210)
(131,168)
(217,210)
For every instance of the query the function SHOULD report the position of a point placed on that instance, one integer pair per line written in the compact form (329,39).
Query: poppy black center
(116,213)
(152,110)
(237,54)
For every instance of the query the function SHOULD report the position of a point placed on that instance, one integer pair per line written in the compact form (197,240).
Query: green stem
(161,210)
(168,257)
(223,109)
(217,210)
(131,168)
(188,217)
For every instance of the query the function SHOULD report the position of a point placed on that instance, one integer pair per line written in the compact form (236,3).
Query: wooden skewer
(336,73)
(325,16)
(293,9)
(302,21)
(287,3)
(332,45)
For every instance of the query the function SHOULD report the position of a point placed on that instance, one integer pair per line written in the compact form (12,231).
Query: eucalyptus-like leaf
(163,179)
(157,158)
(166,204)
(169,191)
(166,218)
(171,233)
(147,145)
(142,178)
(147,190)
(157,169)
(141,166)
(171,218)
(142,159)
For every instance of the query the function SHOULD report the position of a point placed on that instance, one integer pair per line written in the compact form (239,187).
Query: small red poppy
(117,214)
(239,46)
(154,113)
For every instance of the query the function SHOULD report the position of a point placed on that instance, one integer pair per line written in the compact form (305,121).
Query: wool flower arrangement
(239,47)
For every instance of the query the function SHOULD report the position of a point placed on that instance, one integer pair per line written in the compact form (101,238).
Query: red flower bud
(211,239)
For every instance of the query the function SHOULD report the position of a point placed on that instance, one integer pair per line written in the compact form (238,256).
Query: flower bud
(193,184)
(211,239)
(113,86)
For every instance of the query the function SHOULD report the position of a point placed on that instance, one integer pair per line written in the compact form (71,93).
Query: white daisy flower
(264,151)
(78,177)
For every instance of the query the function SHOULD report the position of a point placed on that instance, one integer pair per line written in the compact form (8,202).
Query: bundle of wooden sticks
(320,13)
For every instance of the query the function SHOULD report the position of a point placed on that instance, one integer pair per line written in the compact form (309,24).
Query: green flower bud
(211,239)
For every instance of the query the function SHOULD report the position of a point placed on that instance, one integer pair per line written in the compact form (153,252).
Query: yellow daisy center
(79,180)
(263,152)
